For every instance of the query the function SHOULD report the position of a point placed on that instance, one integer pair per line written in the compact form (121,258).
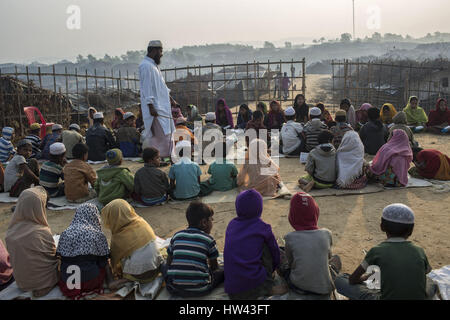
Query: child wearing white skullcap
(399,265)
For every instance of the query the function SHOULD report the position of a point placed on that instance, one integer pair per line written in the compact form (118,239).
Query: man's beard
(158,60)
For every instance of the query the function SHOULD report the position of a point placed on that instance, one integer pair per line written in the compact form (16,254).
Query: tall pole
(354,20)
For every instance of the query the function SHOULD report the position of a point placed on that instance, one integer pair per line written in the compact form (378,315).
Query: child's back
(311,131)
(223,175)
(186,174)
(114,182)
(403,267)
(321,163)
(151,182)
(128,139)
(190,249)
(247,237)
(308,253)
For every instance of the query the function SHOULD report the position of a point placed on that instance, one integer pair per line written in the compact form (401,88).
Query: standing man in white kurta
(156,102)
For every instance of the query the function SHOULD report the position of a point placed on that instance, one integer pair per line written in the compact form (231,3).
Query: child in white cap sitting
(52,170)
(128,137)
(291,134)
(313,128)
(55,136)
(400,265)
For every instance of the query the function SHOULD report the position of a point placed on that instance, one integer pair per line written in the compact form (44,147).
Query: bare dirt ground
(353,220)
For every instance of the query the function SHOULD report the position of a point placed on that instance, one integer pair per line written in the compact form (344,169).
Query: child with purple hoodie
(251,253)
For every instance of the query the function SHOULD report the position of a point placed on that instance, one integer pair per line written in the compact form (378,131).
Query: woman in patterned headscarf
(83,244)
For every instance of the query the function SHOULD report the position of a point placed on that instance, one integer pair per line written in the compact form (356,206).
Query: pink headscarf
(396,153)
(362,116)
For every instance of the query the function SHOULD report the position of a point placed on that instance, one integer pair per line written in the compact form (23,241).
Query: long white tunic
(154,91)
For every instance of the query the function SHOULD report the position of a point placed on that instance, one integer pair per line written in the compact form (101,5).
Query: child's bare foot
(302,181)
(308,187)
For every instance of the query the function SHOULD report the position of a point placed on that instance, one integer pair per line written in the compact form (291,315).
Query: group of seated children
(191,268)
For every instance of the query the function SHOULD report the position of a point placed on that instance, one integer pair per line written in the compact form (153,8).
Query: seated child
(50,139)
(184,175)
(399,121)
(259,172)
(151,185)
(135,256)
(430,164)
(320,165)
(313,128)
(114,181)
(192,269)
(340,128)
(257,122)
(416,118)
(291,134)
(373,134)
(391,163)
(308,251)
(70,138)
(6,147)
(77,176)
(223,173)
(21,172)
(52,170)
(35,139)
(403,266)
(128,137)
(251,253)
(83,244)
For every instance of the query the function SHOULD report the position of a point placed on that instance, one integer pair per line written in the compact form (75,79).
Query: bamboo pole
(212,87)
(40,77)
(78,96)
(304,76)
(2,103)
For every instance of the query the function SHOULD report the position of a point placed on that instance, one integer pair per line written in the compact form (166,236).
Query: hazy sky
(37,29)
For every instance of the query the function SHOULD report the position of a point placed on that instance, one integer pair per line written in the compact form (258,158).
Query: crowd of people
(37,170)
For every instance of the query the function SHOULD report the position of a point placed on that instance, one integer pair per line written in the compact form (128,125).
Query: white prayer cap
(128,115)
(398,213)
(98,115)
(56,127)
(57,149)
(289,112)
(315,111)
(75,126)
(155,44)
(210,116)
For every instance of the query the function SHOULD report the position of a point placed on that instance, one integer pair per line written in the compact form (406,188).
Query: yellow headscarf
(129,231)
(392,110)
